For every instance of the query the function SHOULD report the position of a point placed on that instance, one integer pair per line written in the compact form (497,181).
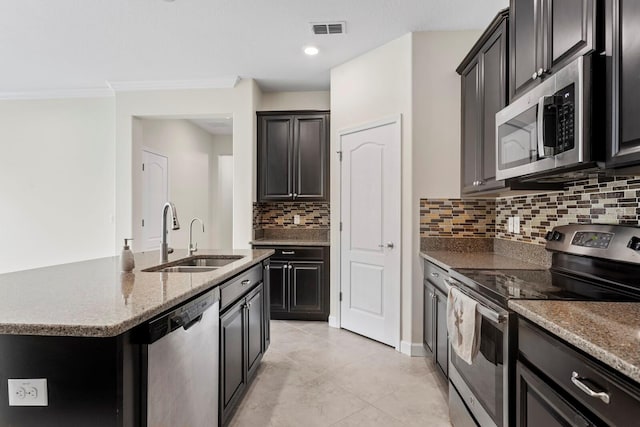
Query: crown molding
(131,86)
(98,92)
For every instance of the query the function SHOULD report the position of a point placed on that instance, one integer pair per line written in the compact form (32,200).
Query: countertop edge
(435,261)
(599,353)
(113,330)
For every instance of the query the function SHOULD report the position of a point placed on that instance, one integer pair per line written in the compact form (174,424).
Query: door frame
(389,120)
(144,148)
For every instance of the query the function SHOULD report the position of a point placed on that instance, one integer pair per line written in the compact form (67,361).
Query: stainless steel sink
(209,261)
(186,269)
(199,264)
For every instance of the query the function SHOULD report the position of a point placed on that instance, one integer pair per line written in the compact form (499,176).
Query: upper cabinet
(544,36)
(293,159)
(623,63)
(484,93)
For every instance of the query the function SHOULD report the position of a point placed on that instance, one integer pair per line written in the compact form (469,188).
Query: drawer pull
(434,274)
(245,282)
(577,381)
(288,252)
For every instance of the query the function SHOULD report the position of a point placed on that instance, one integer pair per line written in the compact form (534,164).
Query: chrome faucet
(175,225)
(193,248)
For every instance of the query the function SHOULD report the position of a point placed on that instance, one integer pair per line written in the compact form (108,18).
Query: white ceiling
(215,126)
(81,44)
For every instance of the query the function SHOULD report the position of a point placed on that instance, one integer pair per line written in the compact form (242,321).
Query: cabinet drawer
(298,253)
(237,287)
(559,361)
(436,276)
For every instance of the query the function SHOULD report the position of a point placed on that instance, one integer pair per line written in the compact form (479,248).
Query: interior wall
(193,178)
(373,86)
(436,140)
(221,206)
(240,102)
(56,181)
(309,100)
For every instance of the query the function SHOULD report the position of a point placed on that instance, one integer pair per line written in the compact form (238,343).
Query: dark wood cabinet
(623,85)
(242,344)
(434,326)
(293,156)
(484,93)
(544,36)
(299,283)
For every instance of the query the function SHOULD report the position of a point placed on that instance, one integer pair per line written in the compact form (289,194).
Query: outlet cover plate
(28,392)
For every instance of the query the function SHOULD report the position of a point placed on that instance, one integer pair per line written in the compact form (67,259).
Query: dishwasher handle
(184,319)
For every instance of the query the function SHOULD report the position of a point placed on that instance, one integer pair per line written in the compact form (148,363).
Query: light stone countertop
(289,242)
(95,299)
(608,331)
(451,260)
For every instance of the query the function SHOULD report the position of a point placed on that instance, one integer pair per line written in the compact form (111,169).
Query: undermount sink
(199,264)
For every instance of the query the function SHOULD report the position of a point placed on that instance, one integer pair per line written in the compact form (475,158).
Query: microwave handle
(540,124)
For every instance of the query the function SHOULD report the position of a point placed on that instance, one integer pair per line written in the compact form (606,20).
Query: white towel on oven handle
(463,324)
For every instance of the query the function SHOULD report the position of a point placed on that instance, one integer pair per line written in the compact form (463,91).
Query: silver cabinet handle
(288,252)
(290,194)
(434,274)
(266,267)
(295,195)
(534,75)
(245,282)
(577,381)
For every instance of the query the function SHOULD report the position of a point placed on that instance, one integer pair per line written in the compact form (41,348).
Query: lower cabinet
(242,343)
(299,283)
(435,337)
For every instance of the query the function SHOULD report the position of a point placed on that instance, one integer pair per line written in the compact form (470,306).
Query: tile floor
(314,375)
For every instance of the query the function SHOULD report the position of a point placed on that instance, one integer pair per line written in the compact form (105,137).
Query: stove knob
(557,236)
(548,236)
(634,243)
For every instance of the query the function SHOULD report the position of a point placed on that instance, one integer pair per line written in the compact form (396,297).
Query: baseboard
(333,322)
(412,349)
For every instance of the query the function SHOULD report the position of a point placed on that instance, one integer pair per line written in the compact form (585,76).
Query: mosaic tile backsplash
(313,215)
(598,199)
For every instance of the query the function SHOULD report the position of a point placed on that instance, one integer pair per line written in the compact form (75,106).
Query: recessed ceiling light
(311,50)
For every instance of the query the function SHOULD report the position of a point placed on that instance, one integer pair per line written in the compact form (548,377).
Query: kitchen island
(77,326)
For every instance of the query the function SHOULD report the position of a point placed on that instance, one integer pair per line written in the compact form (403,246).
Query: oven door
(484,384)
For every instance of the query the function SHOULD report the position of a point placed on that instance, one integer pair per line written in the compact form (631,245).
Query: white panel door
(370,239)
(155,188)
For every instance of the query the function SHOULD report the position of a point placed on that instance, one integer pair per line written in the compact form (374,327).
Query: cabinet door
(310,157)
(494,99)
(442,338)
(275,148)
(569,26)
(278,280)
(232,361)
(539,405)
(306,287)
(255,328)
(428,316)
(266,287)
(624,110)
(470,126)
(524,16)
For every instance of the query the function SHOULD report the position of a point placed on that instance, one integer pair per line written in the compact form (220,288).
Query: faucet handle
(193,247)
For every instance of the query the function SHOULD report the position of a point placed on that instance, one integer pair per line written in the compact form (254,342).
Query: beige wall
(311,100)
(56,181)
(436,138)
(413,76)
(374,86)
(193,174)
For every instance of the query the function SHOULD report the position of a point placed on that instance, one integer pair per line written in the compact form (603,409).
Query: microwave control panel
(565,118)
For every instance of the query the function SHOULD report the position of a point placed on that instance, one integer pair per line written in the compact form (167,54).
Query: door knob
(390,245)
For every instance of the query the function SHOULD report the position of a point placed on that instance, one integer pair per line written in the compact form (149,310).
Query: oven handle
(482,309)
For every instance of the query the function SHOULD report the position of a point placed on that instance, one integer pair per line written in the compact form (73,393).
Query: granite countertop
(95,299)
(289,242)
(608,331)
(488,260)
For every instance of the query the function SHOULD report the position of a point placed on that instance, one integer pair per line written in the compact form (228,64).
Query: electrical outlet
(510,224)
(28,392)
(296,219)
(516,224)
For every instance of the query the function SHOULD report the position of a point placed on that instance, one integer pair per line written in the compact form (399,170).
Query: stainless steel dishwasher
(182,365)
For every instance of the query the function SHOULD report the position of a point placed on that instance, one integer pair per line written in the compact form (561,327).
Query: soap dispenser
(127,262)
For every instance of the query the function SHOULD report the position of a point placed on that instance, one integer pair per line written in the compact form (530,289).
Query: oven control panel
(592,239)
(613,242)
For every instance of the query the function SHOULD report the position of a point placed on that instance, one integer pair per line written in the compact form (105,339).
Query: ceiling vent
(326,28)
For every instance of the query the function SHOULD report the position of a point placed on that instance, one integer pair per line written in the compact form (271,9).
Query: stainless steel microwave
(547,128)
